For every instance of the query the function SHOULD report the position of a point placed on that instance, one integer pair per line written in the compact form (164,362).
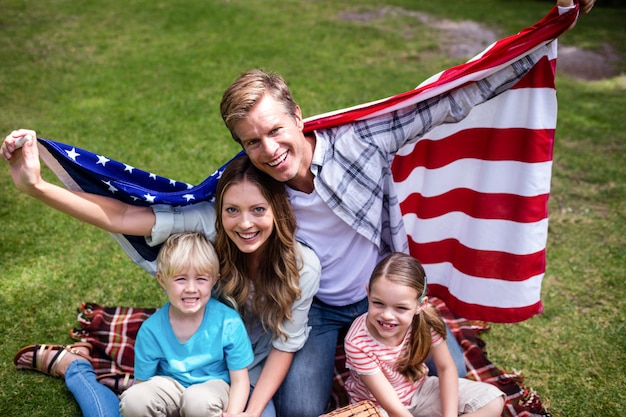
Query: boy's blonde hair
(182,250)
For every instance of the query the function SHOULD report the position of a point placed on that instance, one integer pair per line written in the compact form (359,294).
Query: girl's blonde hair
(403,269)
(181,250)
(276,284)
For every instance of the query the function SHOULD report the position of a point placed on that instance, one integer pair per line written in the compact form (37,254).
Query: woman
(265,274)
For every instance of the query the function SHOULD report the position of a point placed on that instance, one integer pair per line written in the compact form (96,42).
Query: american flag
(474,194)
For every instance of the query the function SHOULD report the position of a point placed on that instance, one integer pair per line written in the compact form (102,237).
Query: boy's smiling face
(188,291)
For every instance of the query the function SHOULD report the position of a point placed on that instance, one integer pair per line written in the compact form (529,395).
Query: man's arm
(585,5)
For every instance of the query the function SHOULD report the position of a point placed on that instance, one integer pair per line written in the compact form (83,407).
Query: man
(340,186)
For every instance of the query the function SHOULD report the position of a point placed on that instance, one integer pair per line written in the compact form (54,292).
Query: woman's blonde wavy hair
(276,283)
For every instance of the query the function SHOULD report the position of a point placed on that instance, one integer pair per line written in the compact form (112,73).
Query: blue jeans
(93,398)
(306,390)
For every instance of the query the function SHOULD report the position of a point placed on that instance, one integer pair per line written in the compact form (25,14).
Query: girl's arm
(239,389)
(448,379)
(106,213)
(384,393)
(274,371)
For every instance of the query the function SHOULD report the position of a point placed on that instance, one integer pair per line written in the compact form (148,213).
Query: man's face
(274,140)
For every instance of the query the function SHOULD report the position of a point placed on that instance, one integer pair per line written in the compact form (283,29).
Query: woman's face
(247,217)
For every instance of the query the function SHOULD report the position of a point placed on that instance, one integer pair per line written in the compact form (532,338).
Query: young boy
(191,356)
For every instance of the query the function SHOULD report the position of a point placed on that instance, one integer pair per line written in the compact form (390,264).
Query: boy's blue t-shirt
(220,344)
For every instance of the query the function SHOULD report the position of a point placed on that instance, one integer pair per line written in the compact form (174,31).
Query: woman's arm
(272,375)
(106,213)
(274,371)
(239,389)
(448,379)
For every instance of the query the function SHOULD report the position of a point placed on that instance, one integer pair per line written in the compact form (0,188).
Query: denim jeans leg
(457,355)
(305,392)
(94,399)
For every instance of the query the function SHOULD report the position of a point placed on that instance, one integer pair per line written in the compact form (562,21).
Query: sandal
(118,382)
(41,354)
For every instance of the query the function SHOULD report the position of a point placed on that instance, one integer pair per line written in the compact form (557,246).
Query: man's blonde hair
(247,90)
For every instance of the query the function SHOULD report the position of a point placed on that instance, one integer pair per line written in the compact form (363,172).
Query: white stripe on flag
(474,290)
(509,177)
(487,235)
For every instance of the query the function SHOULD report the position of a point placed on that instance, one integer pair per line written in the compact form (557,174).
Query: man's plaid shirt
(352,162)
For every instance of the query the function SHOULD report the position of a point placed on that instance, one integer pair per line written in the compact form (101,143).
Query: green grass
(141,81)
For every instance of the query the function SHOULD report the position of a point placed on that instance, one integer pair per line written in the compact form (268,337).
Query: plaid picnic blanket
(112,331)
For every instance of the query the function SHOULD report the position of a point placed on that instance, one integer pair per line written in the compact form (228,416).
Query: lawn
(141,81)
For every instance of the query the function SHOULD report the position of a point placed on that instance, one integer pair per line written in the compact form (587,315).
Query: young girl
(387,346)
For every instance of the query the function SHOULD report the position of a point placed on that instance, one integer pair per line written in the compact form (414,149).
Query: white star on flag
(102,160)
(72,154)
(112,188)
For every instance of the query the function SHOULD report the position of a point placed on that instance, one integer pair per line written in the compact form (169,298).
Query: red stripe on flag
(479,312)
(540,76)
(478,205)
(513,144)
(480,263)
(550,27)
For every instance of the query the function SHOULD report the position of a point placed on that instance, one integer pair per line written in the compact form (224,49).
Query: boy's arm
(239,389)
(146,342)
(106,213)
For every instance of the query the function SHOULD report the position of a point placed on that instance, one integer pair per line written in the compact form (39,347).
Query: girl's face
(247,216)
(392,307)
